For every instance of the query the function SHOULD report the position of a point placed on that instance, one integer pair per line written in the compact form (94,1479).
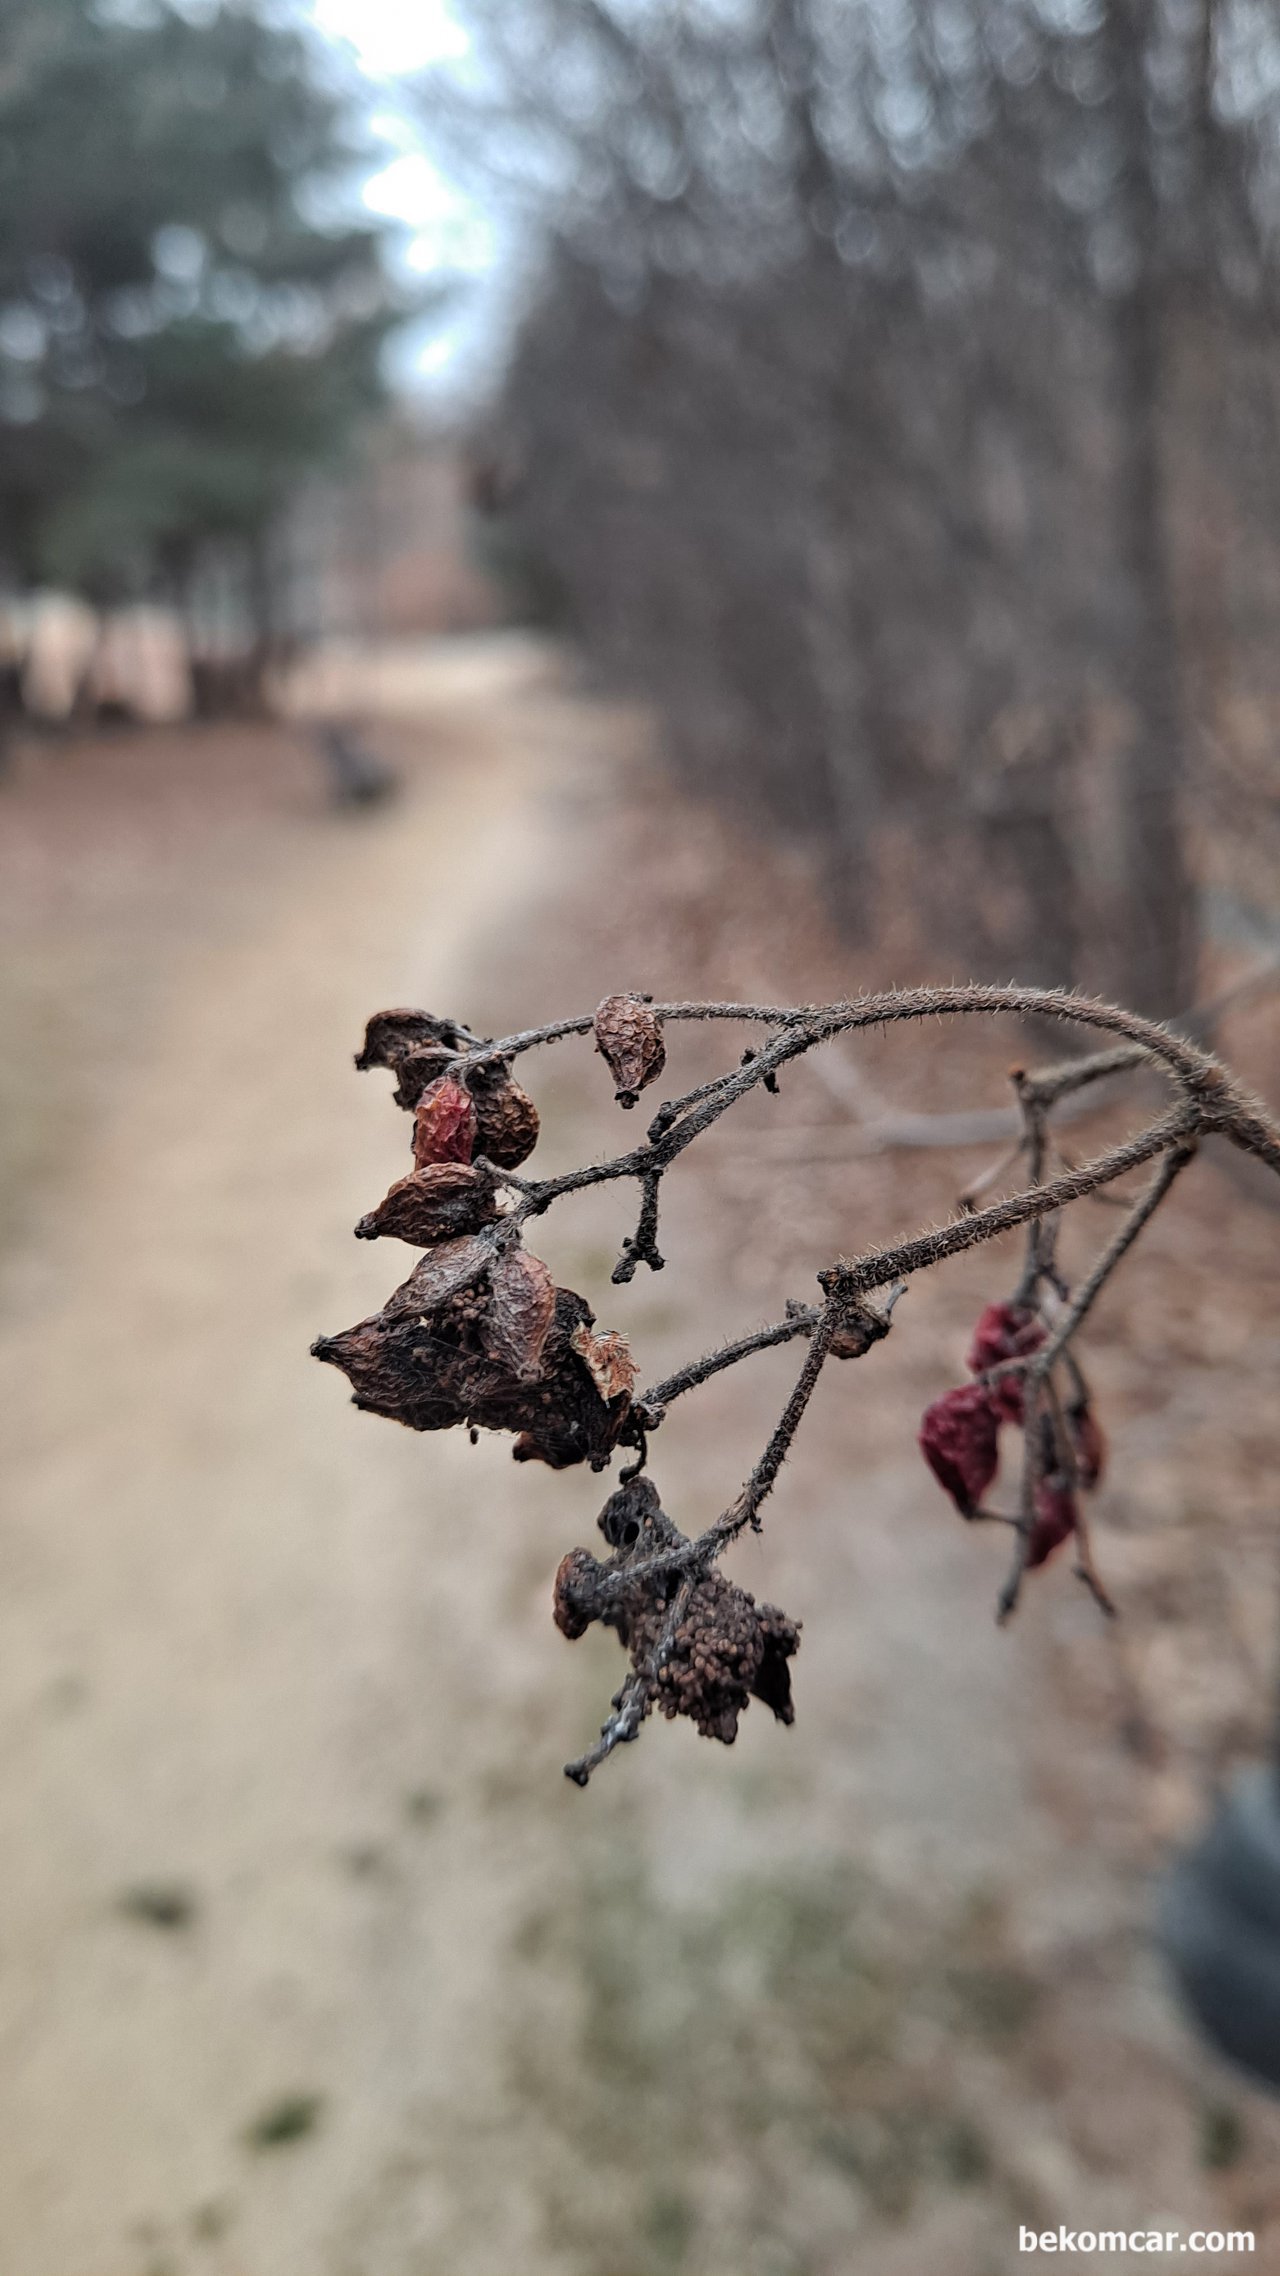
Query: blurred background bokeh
(503,501)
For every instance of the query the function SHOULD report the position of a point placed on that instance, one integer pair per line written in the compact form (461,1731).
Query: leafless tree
(892,378)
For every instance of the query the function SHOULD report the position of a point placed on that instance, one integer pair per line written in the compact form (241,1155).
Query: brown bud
(629,1038)
(433,1204)
(444,1123)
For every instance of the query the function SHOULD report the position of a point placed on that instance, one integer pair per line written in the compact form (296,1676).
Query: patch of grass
(802,2021)
(289,2120)
(669,2225)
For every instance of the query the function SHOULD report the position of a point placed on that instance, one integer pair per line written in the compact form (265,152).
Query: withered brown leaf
(522,1303)
(440,1273)
(416,1070)
(629,1038)
(607,1359)
(389,1035)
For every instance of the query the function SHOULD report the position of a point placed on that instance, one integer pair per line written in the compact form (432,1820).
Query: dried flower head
(703,1649)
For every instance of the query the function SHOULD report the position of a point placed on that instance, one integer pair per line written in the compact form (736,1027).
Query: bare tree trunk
(828,612)
(1156,931)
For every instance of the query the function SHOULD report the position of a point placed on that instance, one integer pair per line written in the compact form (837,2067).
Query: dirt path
(310,1963)
(228,1638)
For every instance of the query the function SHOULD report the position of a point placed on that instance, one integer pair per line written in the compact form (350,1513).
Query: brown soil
(311,1963)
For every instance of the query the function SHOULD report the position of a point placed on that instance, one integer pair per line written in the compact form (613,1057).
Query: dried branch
(479,1335)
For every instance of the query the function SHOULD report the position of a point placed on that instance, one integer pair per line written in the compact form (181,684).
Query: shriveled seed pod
(726,1650)
(506,1120)
(629,1038)
(432,1204)
(444,1123)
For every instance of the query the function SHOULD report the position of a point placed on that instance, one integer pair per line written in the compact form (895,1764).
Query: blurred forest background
(886,394)
(775,496)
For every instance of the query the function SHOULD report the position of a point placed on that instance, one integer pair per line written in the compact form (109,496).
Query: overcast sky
(391,39)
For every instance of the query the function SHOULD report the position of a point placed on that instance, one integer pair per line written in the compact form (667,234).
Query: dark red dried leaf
(959,1438)
(1005,1331)
(629,1037)
(444,1123)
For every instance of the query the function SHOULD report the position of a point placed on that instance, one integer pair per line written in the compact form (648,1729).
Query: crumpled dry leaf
(418,1068)
(522,1303)
(440,1273)
(629,1038)
(389,1035)
(607,1359)
(726,1648)
(444,1123)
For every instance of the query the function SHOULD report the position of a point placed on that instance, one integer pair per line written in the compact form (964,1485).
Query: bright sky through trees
(391,40)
